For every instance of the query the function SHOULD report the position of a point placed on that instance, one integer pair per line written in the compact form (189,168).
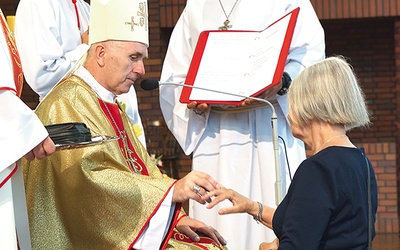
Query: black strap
(369,202)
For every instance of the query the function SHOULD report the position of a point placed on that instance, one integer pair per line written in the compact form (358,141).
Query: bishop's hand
(193,186)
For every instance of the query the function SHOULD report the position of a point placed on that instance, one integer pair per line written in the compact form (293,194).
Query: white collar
(102,92)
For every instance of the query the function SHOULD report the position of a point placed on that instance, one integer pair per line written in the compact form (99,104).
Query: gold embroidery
(143,18)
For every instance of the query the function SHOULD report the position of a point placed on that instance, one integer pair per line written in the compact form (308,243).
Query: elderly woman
(332,200)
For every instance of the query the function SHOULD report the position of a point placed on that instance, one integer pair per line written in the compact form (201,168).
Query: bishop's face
(124,64)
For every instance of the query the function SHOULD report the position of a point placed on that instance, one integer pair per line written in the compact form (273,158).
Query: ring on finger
(196,188)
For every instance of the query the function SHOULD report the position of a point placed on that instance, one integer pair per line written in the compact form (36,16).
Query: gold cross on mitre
(132,23)
(122,20)
(143,17)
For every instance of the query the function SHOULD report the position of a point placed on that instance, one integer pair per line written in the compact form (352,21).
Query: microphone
(151,84)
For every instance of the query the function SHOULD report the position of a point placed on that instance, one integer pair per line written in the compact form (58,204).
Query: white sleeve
(307,47)
(157,229)
(186,126)
(308,42)
(21,130)
(48,41)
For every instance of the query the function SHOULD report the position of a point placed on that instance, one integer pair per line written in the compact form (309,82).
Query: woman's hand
(240,203)
(274,245)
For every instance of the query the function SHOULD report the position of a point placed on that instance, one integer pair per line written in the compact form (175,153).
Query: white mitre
(123,20)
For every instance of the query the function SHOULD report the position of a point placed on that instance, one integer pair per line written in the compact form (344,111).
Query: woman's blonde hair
(328,91)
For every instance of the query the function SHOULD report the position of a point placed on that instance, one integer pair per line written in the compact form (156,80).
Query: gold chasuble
(91,197)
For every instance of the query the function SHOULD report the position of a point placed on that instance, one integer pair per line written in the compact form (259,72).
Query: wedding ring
(196,189)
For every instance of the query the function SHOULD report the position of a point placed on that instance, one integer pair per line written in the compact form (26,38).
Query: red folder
(241,62)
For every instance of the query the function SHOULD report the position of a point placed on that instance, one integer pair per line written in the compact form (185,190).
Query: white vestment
(49,43)
(236,148)
(21,130)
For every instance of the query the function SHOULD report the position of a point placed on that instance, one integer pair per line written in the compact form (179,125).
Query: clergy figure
(110,195)
(235,144)
(51,36)
(21,134)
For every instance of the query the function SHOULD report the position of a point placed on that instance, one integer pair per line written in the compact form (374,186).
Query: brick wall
(371,52)
(333,9)
(397,101)
(383,158)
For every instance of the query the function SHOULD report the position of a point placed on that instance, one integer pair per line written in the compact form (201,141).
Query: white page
(241,63)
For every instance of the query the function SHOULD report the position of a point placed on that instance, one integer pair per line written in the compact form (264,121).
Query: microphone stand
(279,190)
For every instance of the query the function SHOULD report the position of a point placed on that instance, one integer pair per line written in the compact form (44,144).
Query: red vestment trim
(77,13)
(3,182)
(203,240)
(15,59)
(115,112)
(177,210)
(7,88)
(175,220)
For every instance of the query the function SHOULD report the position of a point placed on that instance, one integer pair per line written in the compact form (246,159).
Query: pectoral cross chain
(226,25)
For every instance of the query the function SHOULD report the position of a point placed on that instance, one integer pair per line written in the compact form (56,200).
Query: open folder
(241,62)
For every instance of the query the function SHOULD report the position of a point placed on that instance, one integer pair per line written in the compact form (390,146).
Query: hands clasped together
(194,186)
(201,187)
(205,190)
